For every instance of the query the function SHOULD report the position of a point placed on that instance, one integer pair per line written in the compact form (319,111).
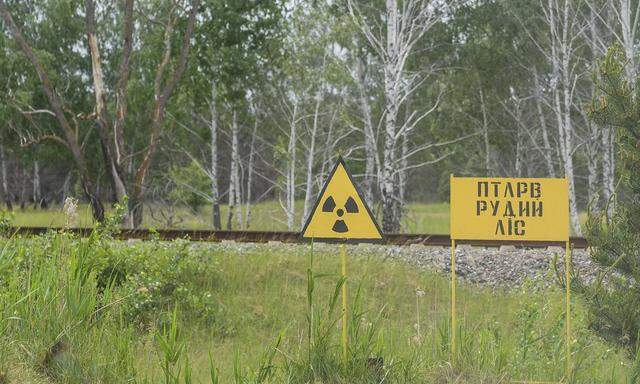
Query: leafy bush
(160,274)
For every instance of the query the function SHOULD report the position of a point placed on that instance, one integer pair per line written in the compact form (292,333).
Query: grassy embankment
(100,311)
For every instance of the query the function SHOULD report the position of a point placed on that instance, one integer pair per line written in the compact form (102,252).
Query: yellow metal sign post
(343,258)
(567,283)
(525,209)
(453,301)
(341,215)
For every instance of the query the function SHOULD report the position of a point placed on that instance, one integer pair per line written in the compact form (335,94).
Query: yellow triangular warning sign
(340,213)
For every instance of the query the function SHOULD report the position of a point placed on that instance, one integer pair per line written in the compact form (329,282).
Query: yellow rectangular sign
(532,209)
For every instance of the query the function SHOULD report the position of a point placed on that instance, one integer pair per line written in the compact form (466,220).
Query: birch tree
(250,167)
(213,166)
(235,203)
(405,23)
(565,29)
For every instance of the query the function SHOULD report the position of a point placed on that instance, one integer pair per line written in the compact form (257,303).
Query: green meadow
(419,218)
(267,216)
(97,310)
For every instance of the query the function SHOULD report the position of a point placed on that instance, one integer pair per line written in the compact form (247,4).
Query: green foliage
(6,221)
(267,317)
(614,299)
(191,185)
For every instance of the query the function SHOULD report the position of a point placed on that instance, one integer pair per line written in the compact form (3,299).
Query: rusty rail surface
(293,237)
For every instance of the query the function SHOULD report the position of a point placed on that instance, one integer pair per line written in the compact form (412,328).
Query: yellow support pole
(567,275)
(343,256)
(453,301)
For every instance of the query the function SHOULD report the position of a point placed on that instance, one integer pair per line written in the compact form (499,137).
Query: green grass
(269,216)
(111,306)
(419,218)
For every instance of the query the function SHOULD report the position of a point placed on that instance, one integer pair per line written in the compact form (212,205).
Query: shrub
(615,305)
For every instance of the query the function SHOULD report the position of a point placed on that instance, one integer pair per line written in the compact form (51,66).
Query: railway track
(401,239)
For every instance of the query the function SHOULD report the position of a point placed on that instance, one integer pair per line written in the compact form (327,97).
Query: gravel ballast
(505,266)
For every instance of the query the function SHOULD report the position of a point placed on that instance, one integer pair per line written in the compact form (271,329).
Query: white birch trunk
(562,101)
(370,148)
(254,133)
(608,169)
(308,195)
(519,128)
(547,150)
(291,170)
(233,172)
(213,172)
(238,183)
(593,145)
(326,155)
(628,38)
(592,176)
(390,220)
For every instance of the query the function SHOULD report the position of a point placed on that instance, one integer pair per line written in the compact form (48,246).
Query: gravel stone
(498,267)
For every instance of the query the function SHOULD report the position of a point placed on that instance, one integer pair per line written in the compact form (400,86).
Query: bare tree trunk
(23,187)
(592,167)
(568,127)
(547,150)
(390,219)
(291,170)
(37,193)
(308,196)
(238,183)
(370,148)
(121,86)
(519,152)
(215,195)
(326,155)
(562,100)
(608,169)
(485,134)
(519,128)
(6,195)
(254,133)
(115,178)
(233,172)
(628,27)
(593,144)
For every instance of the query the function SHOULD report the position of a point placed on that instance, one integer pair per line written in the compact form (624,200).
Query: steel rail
(401,239)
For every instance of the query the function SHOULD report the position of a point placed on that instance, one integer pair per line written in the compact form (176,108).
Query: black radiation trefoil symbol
(350,206)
